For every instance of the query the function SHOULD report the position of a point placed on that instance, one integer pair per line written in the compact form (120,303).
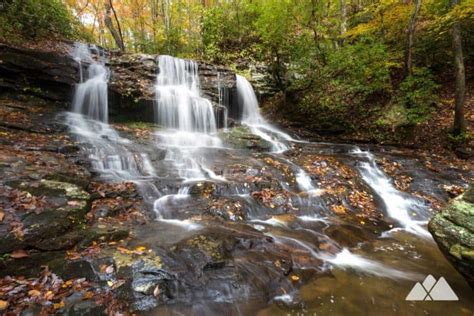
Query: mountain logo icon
(432,290)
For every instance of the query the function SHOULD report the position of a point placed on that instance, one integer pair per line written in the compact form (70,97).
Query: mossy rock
(241,137)
(453,230)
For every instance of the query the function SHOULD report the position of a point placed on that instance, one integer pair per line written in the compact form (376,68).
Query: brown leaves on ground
(113,189)
(274,199)
(138,132)
(394,169)
(453,190)
(120,201)
(14,203)
(48,291)
(227,208)
(21,201)
(285,168)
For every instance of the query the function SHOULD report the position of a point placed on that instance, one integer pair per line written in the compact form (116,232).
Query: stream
(300,227)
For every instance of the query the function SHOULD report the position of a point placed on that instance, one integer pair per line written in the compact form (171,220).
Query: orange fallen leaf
(88,295)
(18,254)
(59,305)
(3,305)
(34,293)
(295,278)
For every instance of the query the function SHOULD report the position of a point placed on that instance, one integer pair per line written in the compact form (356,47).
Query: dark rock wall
(47,74)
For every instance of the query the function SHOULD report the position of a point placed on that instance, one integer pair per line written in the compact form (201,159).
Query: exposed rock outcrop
(453,230)
(47,74)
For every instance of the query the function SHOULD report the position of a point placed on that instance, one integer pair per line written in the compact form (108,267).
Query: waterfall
(90,97)
(188,119)
(253,119)
(179,103)
(108,153)
(397,204)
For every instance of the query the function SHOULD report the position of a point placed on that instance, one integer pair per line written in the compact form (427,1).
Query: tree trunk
(343,16)
(459,126)
(407,70)
(108,22)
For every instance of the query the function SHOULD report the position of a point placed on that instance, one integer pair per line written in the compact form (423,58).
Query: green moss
(71,190)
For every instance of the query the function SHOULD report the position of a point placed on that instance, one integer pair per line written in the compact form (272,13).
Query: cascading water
(90,98)
(189,136)
(108,152)
(190,127)
(253,119)
(397,204)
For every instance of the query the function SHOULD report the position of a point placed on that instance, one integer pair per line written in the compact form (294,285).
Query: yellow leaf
(110,283)
(3,305)
(58,305)
(88,295)
(34,293)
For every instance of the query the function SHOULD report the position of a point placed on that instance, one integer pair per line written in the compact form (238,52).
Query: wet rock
(71,191)
(103,233)
(47,74)
(453,230)
(57,226)
(241,138)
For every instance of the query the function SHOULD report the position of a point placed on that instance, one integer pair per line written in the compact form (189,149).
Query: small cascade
(108,152)
(179,104)
(189,119)
(90,97)
(398,205)
(253,119)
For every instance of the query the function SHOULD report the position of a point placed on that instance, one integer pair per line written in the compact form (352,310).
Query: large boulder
(453,230)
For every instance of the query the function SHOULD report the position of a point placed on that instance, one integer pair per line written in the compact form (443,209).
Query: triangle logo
(432,290)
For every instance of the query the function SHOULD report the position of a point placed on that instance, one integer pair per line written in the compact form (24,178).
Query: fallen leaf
(34,293)
(2,216)
(18,254)
(88,295)
(59,305)
(3,305)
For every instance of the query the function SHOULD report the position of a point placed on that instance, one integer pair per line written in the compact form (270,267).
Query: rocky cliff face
(133,78)
(50,75)
(53,74)
(453,230)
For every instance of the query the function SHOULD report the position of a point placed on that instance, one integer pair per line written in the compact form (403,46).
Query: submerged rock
(453,230)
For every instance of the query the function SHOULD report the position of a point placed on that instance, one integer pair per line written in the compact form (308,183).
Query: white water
(346,259)
(179,103)
(253,119)
(191,131)
(397,204)
(90,97)
(189,119)
(108,152)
